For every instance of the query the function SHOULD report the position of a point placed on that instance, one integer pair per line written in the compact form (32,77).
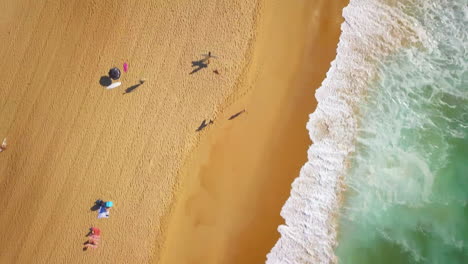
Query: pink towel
(125,67)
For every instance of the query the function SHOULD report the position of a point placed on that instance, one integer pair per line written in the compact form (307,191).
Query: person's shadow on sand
(200,64)
(203,125)
(90,232)
(133,87)
(96,206)
(236,115)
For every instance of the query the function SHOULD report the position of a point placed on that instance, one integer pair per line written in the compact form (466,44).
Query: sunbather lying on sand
(93,238)
(4,145)
(90,245)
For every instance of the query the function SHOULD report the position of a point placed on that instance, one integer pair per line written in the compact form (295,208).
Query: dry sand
(71,141)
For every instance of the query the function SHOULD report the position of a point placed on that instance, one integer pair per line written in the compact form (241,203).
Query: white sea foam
(372,30)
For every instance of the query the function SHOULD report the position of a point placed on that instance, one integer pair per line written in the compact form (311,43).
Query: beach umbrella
(96,231)
(114,73)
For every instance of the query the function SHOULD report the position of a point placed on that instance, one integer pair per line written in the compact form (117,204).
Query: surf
(386,49)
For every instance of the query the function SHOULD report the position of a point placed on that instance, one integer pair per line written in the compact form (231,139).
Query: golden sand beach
(180,196)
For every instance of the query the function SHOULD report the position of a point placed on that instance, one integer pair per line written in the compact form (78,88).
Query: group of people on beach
(203,63)
(114,74)
(94,235)
(205,124)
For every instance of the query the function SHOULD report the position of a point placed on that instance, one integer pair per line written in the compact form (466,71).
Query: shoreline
(210,223)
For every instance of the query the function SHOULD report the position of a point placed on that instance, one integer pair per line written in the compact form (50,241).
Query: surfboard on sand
(114,85)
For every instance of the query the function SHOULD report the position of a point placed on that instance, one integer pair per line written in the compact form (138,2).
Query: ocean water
(408,181)
(387,176)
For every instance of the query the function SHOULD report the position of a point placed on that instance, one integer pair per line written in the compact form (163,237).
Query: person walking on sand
(204,124)
(4,145)
(207,58)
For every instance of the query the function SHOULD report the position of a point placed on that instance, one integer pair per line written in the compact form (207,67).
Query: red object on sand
(125,67)
(96,231)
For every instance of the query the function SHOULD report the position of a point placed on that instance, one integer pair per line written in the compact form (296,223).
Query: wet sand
(236,182)
(71,141)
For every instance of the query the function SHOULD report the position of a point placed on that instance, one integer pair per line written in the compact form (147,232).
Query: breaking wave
(376,36)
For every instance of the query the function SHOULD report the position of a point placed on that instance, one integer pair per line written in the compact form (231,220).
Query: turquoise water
(407,188)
